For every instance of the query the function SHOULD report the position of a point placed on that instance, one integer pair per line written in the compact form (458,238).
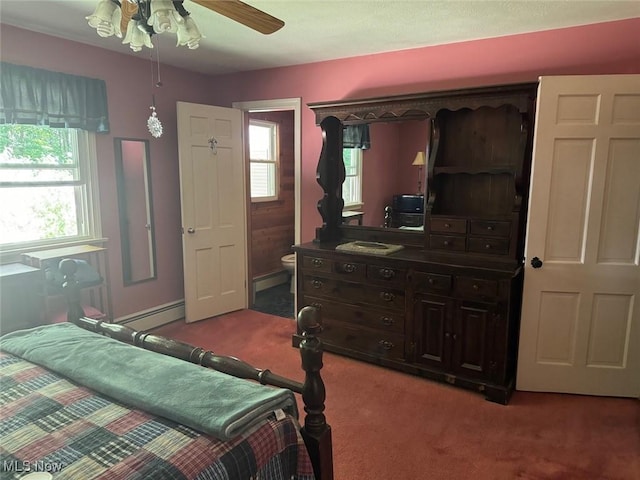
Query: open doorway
(273,225)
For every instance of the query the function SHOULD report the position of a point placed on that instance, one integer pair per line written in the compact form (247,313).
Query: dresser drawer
(386,298)
(432,283)
(385,321)
(351,271)
(386,275)
(363,340)
(352,292)
(448,225)
(490,228)
(319,286)
(318,264)
(446,242)
(476,287)
(496,246)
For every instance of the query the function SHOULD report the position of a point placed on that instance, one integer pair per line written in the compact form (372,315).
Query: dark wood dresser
(447,305)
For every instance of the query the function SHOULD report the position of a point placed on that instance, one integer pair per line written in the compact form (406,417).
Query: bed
(141,406)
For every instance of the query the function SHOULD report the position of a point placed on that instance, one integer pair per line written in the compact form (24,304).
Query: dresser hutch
(446,305)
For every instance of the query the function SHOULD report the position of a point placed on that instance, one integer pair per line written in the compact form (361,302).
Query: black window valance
(40,97)
(356,136)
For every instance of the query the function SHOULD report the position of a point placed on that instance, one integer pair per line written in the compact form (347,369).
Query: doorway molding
(276,105)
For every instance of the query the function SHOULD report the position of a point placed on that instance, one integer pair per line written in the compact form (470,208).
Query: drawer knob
(490,227)
(349,267)
(387,321)
(447,225)
(488,246)
(316,262)
(475,287)
(386,344)
(446,243)
(316,284)
(387,296)
(431,281)
(387,273)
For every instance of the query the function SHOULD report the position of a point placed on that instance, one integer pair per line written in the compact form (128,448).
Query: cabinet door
(432,320)
(471,336)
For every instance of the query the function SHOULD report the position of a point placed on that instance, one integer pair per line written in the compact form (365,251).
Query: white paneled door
(213,209)
(580,329)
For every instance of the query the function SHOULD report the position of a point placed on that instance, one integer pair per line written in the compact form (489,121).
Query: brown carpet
(391,426)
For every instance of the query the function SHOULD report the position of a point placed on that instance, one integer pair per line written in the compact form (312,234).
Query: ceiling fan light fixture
(106,19)
(137,37)
(164,17)
(141,19)
(188,34)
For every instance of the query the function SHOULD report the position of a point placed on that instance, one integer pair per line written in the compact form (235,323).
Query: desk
(98,295)
(348,216)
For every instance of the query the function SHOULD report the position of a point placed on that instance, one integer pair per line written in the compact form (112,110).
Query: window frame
(358,152)
(87,199)
(275,152)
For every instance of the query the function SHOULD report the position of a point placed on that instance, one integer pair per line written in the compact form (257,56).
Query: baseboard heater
(154,317)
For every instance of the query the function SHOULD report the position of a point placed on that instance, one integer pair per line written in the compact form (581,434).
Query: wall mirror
(135,206)
(388,171)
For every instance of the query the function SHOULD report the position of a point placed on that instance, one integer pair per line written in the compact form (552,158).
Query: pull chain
(153,122)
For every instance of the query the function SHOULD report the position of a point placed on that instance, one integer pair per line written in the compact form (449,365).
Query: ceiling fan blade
(128,10)
(245,14)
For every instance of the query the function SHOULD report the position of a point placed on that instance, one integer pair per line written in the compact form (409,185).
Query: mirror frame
(122,211)
(331,116)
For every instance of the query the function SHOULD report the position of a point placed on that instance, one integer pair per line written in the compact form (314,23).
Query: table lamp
(419,161)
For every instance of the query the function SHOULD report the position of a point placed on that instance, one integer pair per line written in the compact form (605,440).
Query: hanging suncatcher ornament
(153,123)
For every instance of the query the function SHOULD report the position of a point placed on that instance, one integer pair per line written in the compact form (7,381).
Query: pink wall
(387,168)
(379,164)
(601,48)
(129,96)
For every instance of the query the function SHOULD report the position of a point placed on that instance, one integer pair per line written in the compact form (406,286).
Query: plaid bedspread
(50,424)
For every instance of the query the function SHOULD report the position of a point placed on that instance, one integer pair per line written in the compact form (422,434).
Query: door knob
(191,230)
(536,262)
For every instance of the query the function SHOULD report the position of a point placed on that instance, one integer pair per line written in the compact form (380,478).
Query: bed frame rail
(316,432)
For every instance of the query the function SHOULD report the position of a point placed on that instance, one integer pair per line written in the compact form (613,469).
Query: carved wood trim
(422,105)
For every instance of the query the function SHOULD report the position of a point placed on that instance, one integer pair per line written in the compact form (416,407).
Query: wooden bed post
(316,432)
(71,290)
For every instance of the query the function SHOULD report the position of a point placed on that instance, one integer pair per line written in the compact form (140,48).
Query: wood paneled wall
(272,223)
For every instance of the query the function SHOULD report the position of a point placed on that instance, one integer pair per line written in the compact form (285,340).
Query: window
(263,156)
(352,186)
(48,188)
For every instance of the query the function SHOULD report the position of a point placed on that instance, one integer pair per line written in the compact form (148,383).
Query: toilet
(289,263)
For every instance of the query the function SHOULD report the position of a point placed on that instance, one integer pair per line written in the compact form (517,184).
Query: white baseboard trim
(154,317)
(270,280)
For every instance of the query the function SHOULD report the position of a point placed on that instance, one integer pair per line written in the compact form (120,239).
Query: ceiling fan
(245,14)
(140,19)
(234,9)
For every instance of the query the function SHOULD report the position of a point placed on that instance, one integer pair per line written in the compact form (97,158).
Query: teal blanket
(205,400)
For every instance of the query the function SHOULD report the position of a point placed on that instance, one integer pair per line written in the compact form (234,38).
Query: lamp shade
(420,159)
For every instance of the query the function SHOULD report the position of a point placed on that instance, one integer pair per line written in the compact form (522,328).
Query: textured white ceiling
(317,30)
